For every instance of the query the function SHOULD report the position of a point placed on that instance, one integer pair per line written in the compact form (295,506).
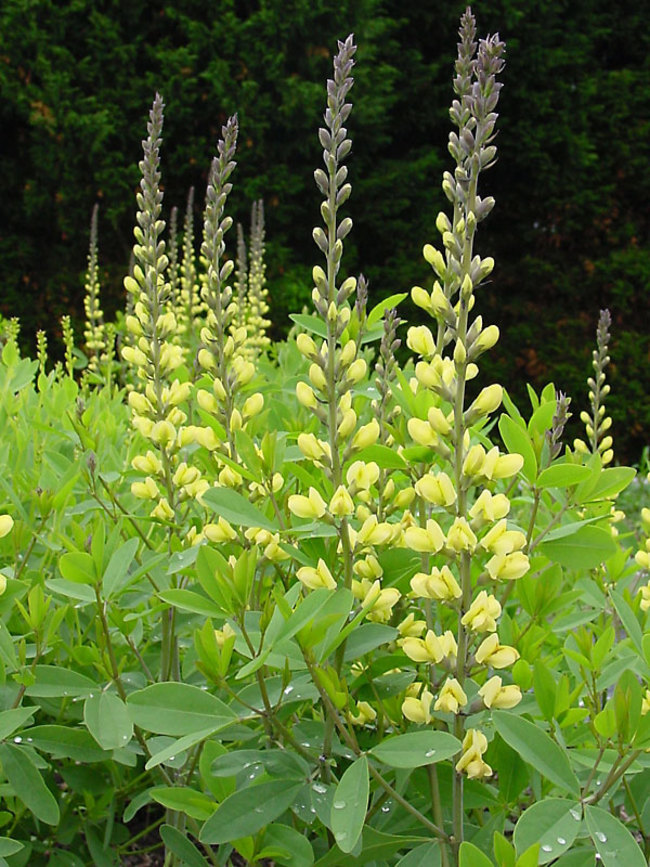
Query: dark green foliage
(571,223)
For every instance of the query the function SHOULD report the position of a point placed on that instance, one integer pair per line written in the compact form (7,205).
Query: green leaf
(586,549)
(553,823)
(183,799)
(55,682)
(310,323)
(178,747)
(28,784)
(562,476)
(180,845)
(609,484)
(376,846)
(236,509)
(415,749)
(116,574)
(10,720)
(427,855)
(628,619)
(248,810)
(613,842)
(470,856)
(108,721)
(178,709)
(537,748)
(350,804)
(529,858)
(387,304)
(188,600)
(9,846)
(66,742)
(504,851)
(296,846)
(79,567)
(384,457)
(517,441)
(545,689)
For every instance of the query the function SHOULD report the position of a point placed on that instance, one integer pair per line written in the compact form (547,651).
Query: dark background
(569,233)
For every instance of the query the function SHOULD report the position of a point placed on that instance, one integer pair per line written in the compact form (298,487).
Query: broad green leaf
(427,855)
(61,742)
(368,637)
(504,851)
(248,810)
(376,846)
(141,799)
(79,567)
(386,304)
(9,846)
(610,482)
(177,709)
(383,456)
(108,721)
(183,799)
(517,441)
(553,823)
(562,476)
(310,323)
(28,784)
(613,842)
(10,720)
(236,509)
(537,748)
(80,592)
(577,858)
(415,749)
(177,747)
(583,550)
(296,846)
(55,682)
(628,619)
(529,858)
(180,845)
(279,763)
(116,574)
(470,856)
(188,600)
(350,804)
(545,689)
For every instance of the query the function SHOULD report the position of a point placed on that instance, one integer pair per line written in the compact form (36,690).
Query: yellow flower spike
(147,490)
(362,475)
(348,424)
(315,579)
(421,432)
(222,635)
(6,525)
(368,568)
(306,395)
(508,567)
(356,371)
(418,710)
(438,584)
(425,540)
(311,506)
(410,627)
(149,464)
(306,346)
(207,401)
(364,715)
(219,532)
(461,537)
(491,652)
(452,697)
(427,649)
(383,607)
(482,614)
(341,503)
(163,433)
(437,489)
(367,435)
(420,339)
(496,696)
(489,507)
(253,405)
(143,425)
(163,511)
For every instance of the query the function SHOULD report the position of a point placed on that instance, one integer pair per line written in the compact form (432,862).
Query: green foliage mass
(571,185)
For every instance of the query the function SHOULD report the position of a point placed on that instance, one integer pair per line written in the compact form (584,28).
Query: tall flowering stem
(596,423)
(94,331)
(448,364)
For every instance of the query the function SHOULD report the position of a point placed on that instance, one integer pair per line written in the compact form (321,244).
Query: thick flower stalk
(189,306)
(156,404)
(94,330)
(597,424)
(463,529)
(68,344)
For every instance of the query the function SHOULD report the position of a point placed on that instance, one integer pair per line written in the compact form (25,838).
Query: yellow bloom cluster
(642,557)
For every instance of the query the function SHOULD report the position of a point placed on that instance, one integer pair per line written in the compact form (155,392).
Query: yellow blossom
(410,627)
(367,435)
(341,503)
(495,695)
(438,584)
(425,540)
(488,400)
(645,704)
(6,525)
(306,395)
(508,567)
(452,697)
(230,478)
(489,507)
(490,652)
(357,370)
(500,540)
(645,597)
(163,511)
(362,475)
(368,568)
(471,760)
(219,532)
(149,464)
(147,490)
(421,432)
(312,506)
(382,608)
(440,423)
(460,536)
(373,532)
(418,710)
(348,424)
(437,489)
(420,339)
(482,614)
(253,405)
(222,635)
(427,649)
(365,714)
(306,346)
(449,646)
(643,560)
(316,578)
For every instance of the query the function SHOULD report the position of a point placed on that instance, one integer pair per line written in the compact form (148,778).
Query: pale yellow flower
(316,578)
(460,536)
(482,614)
(426,540)
(438,584)
(491,652)
(418,710)
(6,525)
(341,503)
(495,695)
(365,714)
(508,567)
(311,506)
(452,697)
(437,489)
(427,649)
